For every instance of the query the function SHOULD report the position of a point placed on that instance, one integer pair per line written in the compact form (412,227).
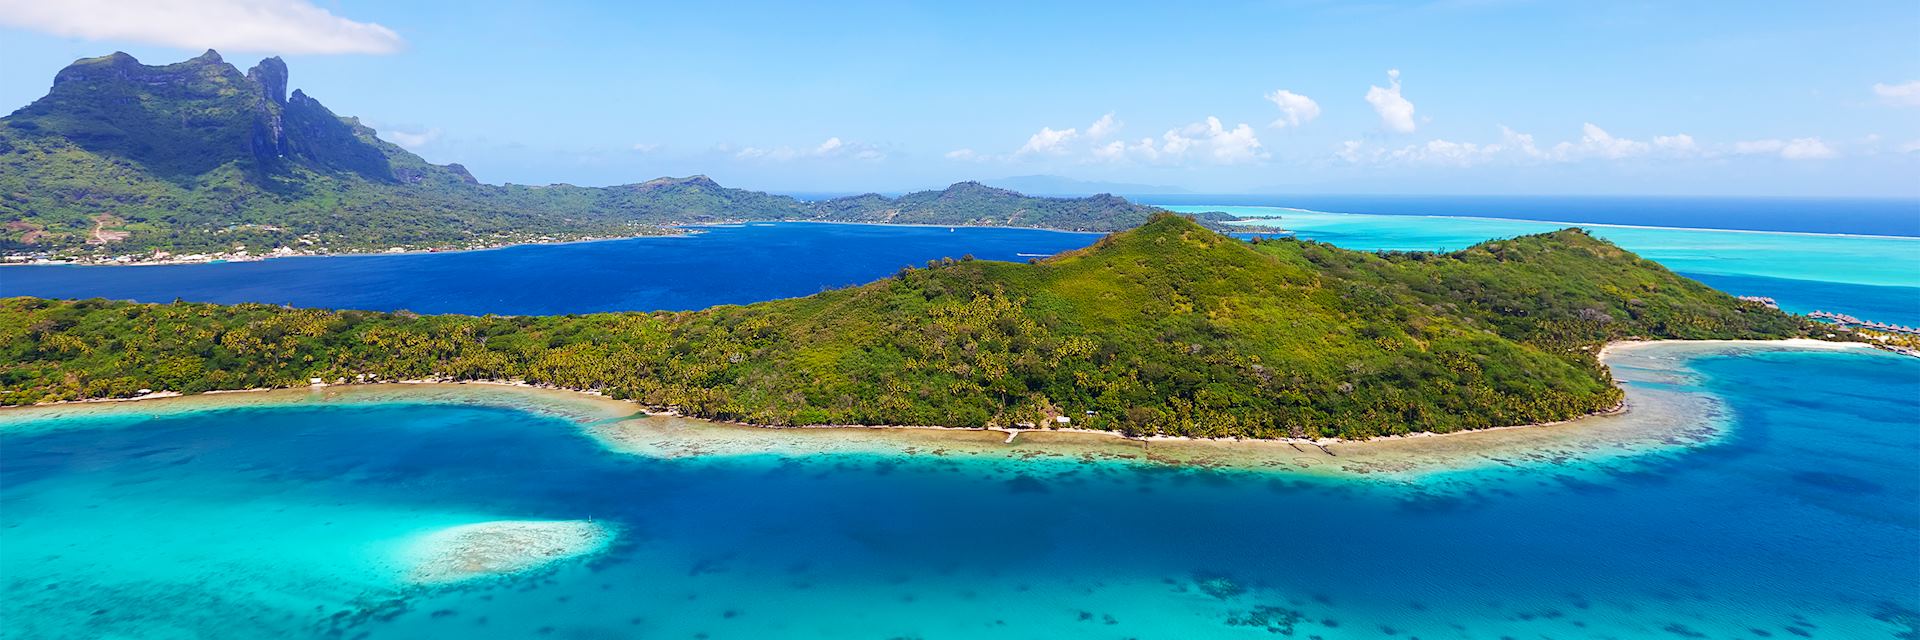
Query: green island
(198,158)
(1169,329)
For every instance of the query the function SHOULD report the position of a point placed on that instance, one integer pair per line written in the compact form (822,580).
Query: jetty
(1848,321)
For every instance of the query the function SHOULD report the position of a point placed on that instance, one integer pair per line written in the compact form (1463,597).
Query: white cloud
(1048,141)
(645,147)
(1209,140)
(1295,109)
(1396,113)
(1899,95)
(411,139)
(1512,144)
(1755,147)
(1912,146)
(832,147)
(1516,148)
(1213,141)
(1521,143)
(1795,149)
(1679,144)
(260,26)
(1143,150)
(1596,142)
(1807,149)
(1103,127)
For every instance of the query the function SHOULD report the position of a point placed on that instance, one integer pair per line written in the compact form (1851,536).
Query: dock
(1845,320)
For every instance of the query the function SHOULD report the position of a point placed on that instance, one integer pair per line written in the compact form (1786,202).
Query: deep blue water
(1897,305)
(1874,278)
(1869,216)
(722,265)
(278,523)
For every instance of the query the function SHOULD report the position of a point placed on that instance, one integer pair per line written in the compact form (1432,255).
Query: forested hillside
(1170,328)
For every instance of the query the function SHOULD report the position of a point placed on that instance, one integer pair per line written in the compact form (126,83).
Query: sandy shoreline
(679,231)
(1653,417)
(675,230)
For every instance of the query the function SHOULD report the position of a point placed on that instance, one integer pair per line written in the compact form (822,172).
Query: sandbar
(501,547)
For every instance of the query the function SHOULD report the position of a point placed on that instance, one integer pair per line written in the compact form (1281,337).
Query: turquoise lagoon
(1874,277)
(1790,507)
(1785,504)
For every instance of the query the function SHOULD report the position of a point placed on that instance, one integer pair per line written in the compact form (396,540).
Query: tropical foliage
(1170,328)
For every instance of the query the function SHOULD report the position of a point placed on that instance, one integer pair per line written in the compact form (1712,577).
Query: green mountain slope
(125,158)
(198,156)
(1169,328)
(972,203)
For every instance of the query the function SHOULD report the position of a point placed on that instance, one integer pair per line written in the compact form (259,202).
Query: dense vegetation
(972,203)
(1170,328)
(122,158)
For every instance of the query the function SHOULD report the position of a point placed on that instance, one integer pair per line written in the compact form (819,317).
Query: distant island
(122,160)
(1047,185)
(1168,329)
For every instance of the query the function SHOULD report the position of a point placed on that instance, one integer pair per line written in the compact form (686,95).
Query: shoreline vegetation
(1167,329)
(1652,416)
(671,230)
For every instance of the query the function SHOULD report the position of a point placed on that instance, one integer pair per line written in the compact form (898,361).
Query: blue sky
(1484,97)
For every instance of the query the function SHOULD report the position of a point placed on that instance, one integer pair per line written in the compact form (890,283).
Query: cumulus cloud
(411,139)
(1678,144)
(261,26)
(1900,95)
(1103,127)
(1512,144)
(1295,109)
(1211,140)
(1518,148)
(1048,141)
(1143,149)
(1807,149)
(1795,149)
(832,147)
(1396,113)
(1596,142)
(1754,147)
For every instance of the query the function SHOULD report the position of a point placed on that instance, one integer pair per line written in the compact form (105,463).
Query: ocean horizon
(1885,216)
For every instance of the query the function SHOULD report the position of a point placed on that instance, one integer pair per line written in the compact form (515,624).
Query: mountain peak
(210,57)
(695,180)
(118,63)
(973,187)
(271,75)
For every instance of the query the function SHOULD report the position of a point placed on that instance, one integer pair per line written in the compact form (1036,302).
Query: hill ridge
(122,159)
(1171,328)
